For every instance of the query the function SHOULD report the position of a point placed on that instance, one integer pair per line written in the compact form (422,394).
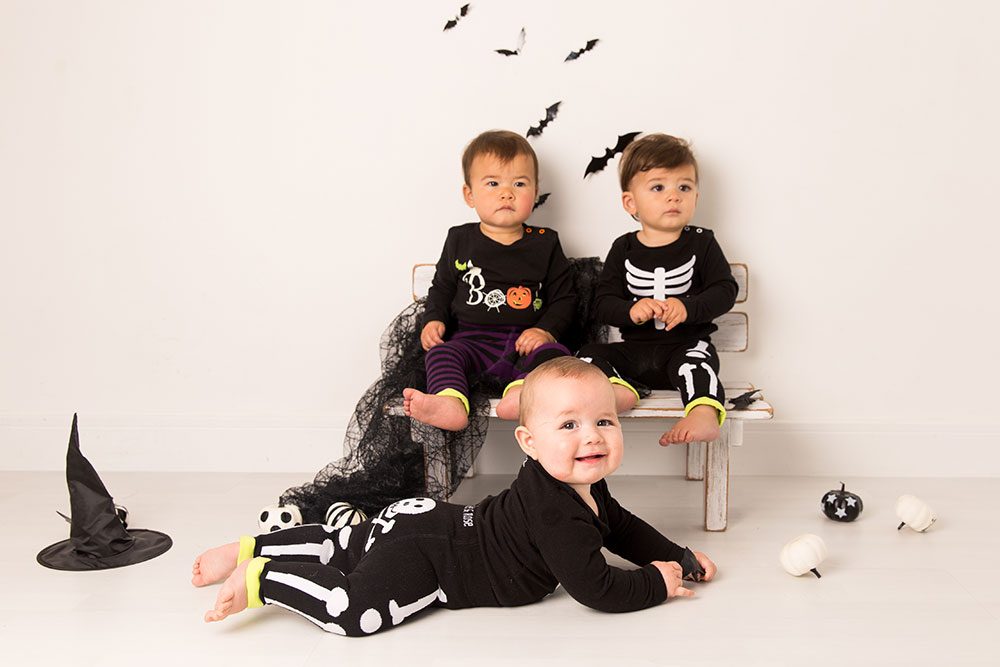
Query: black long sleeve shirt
(693,269)
(540,533)
(479,281)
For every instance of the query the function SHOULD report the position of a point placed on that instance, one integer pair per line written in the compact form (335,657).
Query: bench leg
(717,481)
(696,460)
(435,465)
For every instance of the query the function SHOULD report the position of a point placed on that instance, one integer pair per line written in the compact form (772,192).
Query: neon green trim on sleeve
(457,394)
(618,380)
(254,570)
(247,545)
(704,400)
(515,383)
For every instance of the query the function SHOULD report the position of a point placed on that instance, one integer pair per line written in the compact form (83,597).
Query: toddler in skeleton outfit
(502,293)
(512,549)
(662,286)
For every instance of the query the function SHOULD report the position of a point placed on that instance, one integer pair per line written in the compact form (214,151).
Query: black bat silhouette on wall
(550,114)
(576,54)
(517,51)
(599,163)
(541,200)
(461,14)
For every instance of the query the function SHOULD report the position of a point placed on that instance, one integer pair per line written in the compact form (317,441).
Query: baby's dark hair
(504,144)
(654,151)
(571,367)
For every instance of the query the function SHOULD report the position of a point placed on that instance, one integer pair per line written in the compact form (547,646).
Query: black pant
(691,368)
(360,579)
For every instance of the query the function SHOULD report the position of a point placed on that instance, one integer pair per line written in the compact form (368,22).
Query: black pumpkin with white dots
(842,505)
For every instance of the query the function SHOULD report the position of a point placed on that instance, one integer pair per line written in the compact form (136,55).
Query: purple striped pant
(475,350)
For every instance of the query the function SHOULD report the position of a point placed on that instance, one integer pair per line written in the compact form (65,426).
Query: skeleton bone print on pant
(386,519)
(699,351)
(372,576)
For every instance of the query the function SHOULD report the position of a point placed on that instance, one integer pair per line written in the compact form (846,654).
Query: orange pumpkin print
(519,297)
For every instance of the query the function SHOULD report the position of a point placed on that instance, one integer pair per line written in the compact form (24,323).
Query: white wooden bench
(705,461)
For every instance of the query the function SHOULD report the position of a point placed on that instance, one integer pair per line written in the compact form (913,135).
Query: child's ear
(526,442)
(628,202)
(467,195)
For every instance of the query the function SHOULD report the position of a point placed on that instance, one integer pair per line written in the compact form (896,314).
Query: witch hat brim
(98,539)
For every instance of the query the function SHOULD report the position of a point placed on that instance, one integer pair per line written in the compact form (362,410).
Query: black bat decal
(599,163)
(550,114)
(743,401)
(517,51)
(576,54)
(454,22)
(541,200)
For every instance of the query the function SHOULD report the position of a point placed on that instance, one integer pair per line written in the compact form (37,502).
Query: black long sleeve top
(693,269)
(479,281)
(540,533)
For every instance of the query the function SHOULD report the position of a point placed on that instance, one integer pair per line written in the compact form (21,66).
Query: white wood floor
(887,597)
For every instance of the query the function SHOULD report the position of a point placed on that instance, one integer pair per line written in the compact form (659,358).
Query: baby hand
(645,309)
(531,339)
(706,565)
(674,312)
(673,577)
(432,334)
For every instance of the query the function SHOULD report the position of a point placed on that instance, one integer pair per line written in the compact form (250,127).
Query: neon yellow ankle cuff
(254,570)
(619,381)
(704,400)
(515,383)
(247,545)
(457,394)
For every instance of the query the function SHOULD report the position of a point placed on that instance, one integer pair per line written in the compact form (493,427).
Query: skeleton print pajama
(692,269)
(510,549)
(360,579)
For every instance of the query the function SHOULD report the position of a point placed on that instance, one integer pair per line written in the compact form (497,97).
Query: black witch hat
(98,538)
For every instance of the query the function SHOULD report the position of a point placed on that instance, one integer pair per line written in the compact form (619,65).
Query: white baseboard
(213,443)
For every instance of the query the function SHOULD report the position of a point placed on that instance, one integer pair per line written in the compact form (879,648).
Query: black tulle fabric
(386,456)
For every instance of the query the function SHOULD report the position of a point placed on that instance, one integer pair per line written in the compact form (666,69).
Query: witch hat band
(98,540)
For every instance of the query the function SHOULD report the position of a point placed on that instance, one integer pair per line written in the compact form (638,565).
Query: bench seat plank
(661,404)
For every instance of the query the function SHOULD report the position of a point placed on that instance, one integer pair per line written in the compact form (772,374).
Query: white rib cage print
(659,283)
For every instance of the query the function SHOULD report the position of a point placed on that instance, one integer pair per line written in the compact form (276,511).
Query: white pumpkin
(914,512)
(803,554)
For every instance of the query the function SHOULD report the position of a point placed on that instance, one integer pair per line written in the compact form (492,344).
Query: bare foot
(509,406)
(232,598)
(445,412)
(625,398)
(215,564)
(700,425)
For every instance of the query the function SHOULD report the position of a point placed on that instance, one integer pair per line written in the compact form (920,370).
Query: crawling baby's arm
(673,577)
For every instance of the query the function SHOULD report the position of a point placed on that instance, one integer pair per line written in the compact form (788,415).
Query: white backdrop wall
(209,211)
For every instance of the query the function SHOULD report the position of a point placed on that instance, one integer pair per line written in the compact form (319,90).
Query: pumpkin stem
(900,526)
(842,487)
(816,572)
